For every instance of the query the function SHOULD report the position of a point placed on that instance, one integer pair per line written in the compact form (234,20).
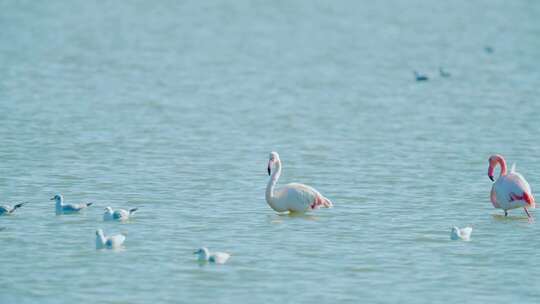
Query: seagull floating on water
(420,77)
(203,255)
(117,215)
(291,197)
(7,209)
(444,73)
(510,190)
(109,242)
(461,234)
(62,208)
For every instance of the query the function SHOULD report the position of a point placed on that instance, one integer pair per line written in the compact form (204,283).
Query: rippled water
(173,107)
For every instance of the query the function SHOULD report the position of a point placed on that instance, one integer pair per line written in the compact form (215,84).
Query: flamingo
(291,197)
(510,190)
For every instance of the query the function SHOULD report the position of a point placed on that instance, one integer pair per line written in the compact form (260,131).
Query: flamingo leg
(526,211)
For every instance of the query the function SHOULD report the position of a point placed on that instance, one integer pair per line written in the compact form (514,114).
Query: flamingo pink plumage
(510,190)
(291,197)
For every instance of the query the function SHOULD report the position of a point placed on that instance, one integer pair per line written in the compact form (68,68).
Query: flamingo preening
(291,197)
(510,190)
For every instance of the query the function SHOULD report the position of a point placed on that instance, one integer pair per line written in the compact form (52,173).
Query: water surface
(173,108)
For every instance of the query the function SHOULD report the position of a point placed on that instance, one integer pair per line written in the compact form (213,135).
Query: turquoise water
(173,107)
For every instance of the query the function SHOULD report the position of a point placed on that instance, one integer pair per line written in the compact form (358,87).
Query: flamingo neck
(499,160)
(272,182)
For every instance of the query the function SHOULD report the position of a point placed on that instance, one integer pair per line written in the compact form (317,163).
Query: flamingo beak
(269,167)
(490,170)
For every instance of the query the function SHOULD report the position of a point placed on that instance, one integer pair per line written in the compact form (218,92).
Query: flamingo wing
(520,181)
(523,188)
(300,197)
(510,188)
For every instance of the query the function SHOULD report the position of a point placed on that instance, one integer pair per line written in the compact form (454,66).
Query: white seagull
(62,208)
(109,242)
(7,209)
(461,234)
(203,255)
(291,197)
(117,215)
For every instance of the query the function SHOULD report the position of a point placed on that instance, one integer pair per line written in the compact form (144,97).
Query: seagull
(463,233)
(109,242)
(62,208)
(7,209)
(444,73)
(117,215)
(420,77)
(215,257)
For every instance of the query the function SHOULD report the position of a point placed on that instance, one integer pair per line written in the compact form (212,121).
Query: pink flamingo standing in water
(510,190)
(291,197)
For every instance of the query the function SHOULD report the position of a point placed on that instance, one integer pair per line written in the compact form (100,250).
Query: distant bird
(444,73)
(510,190)
(203,255)
(461,234)
(117,215)
(109,242)
(292,197)
(489,49)
(62,208)
(420,77)
(7,209)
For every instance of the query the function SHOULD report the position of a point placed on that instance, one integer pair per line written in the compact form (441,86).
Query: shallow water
(173,108)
